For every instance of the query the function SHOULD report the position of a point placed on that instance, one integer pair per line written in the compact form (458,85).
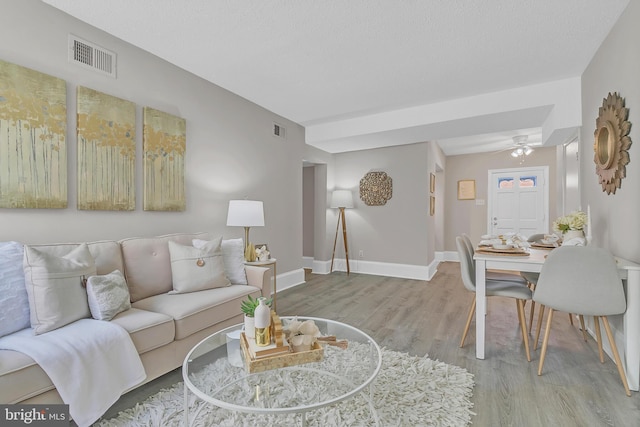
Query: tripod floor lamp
(341,199)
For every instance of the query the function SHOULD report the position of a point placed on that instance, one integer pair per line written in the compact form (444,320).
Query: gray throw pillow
(108,295)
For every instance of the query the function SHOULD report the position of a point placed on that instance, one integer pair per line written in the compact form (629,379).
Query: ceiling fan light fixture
(527,150)
(514,154)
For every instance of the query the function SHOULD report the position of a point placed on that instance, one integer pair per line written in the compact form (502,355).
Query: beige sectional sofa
(163,327)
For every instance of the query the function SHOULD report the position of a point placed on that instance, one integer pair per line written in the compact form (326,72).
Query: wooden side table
(271,262)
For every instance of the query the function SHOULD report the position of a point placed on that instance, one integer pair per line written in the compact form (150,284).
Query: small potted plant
(248,307)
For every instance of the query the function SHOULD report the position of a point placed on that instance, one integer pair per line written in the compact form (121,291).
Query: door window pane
(528,181)
(505,182)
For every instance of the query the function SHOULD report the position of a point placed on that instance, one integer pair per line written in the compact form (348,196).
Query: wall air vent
(92,56)
(278,130)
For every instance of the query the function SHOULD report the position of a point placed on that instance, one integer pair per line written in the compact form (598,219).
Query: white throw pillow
(56,286)
(14,302)
(108,295)
(194,269)
(233,255)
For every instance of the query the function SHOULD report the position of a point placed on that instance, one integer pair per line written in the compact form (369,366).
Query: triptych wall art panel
(106,152)
(33,151)
(164,145)
(33,154)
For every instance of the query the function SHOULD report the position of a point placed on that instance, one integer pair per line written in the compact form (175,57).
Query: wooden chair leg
(571,319)
(584,330)
(596,322)
(616,356)
(469,318)
(540,316)
(533,308)
(523,327)
(545,341)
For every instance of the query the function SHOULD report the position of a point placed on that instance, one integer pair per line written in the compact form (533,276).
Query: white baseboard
(405,271)
(307,262)
(290,279)
(448,256)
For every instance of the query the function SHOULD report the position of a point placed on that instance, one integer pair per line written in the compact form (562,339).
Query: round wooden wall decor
(612,142)
(376,188)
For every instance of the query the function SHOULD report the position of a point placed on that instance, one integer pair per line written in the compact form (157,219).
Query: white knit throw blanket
(91,363)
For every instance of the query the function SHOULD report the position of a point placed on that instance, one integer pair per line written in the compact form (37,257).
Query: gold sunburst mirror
(612,142)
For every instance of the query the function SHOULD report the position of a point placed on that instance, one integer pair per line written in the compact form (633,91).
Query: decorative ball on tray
(302,335)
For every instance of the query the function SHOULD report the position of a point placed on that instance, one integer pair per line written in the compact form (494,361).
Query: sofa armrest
(260,277)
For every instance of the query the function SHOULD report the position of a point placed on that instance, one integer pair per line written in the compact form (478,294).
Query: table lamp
(341,199)
(245,213)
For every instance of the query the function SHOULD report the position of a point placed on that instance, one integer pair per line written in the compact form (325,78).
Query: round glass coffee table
(214,373)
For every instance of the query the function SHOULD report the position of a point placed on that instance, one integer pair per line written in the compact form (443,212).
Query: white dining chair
(582,280)
(502,288)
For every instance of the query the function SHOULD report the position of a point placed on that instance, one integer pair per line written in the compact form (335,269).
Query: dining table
(532,261)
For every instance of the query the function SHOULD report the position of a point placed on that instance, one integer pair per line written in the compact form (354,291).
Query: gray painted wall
(230,151)
(614,68)
(308,206)
(464,216)
(398,231)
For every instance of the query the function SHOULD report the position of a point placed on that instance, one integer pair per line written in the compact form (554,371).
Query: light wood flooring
(420,318)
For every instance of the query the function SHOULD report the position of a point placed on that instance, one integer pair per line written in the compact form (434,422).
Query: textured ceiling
(316,62)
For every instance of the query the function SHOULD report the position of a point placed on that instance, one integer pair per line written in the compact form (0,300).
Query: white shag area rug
(408,391)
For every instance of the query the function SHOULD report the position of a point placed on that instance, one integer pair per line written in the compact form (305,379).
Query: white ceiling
(325,63)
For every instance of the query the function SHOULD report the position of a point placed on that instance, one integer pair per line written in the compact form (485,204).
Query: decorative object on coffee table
(612,142)
(262,322)
(248,307)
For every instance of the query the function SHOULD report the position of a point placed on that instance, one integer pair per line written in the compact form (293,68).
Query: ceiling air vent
(278,130)
(92,56)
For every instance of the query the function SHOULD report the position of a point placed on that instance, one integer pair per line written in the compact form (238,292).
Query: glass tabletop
(216,376)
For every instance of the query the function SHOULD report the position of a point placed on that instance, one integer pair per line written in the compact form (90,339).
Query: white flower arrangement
(303,335)
(574,221)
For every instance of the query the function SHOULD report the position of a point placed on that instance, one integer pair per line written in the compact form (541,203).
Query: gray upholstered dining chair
(493,275)
(501,288)
(583,280)
(532,280)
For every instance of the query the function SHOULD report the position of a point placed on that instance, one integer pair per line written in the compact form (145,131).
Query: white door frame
(545,189)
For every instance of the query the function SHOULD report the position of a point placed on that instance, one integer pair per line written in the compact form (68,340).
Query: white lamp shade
(245,213)
(342,199)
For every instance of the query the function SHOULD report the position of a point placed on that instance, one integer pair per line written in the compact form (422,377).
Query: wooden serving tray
(280,360)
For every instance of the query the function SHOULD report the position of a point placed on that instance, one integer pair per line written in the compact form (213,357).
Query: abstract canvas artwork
(33,129)
(164,148)
(106,152)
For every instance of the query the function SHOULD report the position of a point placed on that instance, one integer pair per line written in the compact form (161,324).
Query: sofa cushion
(195,311)
(108,295)
(148,330)
(147,264)
(21,377)
(55,286)
(197,269)
(14,302)
(233,256)
(106,253)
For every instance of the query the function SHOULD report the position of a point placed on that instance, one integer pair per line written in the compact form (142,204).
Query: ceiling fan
(521,148)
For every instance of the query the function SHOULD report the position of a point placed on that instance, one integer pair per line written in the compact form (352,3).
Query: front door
(518,201)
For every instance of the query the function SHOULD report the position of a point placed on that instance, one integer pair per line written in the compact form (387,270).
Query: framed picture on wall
(432,183)
(466,189)
(432,206)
